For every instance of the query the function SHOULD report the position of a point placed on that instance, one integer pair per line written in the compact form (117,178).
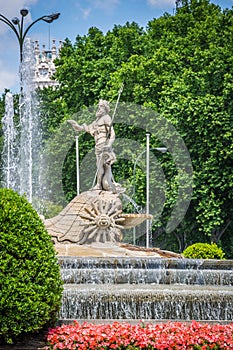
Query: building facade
(45,67)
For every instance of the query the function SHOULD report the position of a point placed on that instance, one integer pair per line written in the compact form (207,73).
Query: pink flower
(170,335)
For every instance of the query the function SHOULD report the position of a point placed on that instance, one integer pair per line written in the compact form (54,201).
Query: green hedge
(30,281)
(203,251)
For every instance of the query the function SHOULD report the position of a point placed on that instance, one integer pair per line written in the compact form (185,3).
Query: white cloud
(11,8)
(161,3)
(86,12)
(106,5)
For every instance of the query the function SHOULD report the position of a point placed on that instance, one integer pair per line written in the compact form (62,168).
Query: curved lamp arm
(48,19)
(5,20)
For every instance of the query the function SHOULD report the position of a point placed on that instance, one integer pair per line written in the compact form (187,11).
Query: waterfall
(146,288)
(9,146)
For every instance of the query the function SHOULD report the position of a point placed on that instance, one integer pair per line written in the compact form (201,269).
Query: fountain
(22,142)
(9,146)
(30,134)
(107,280)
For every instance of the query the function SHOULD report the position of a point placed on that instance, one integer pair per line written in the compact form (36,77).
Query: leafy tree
(84,69)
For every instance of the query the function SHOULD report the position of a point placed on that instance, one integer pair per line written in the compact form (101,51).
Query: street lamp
(147,151)
(17,26)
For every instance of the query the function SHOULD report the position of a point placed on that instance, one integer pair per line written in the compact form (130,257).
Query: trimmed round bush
(30,280)
(203,251)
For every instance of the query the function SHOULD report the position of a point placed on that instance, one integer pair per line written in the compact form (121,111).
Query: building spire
(45,67)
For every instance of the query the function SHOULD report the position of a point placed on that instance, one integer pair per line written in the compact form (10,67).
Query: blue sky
(77,16)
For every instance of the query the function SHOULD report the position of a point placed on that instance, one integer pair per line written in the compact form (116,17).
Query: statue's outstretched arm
(75,125)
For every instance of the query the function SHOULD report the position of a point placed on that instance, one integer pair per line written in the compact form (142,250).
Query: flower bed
(125,336)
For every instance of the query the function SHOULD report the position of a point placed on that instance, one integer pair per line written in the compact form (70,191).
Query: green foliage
(30,281)
(84,69)
(203,251)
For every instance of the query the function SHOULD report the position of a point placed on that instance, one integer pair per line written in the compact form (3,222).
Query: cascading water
(30,135)
(9,153)
(146,288)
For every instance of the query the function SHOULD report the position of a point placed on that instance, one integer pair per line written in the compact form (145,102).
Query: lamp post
(17,26)
(147,151)
(147,188)
(77,164)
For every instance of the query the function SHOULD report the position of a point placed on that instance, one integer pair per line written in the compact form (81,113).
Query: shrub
(30,281)
(203,251)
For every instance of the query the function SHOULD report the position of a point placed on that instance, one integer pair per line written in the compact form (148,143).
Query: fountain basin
(132,220)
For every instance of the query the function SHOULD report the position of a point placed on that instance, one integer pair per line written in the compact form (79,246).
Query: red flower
(164,336)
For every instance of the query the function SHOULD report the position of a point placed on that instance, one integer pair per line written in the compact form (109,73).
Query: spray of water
(21,151)
(27,121)
(9,146)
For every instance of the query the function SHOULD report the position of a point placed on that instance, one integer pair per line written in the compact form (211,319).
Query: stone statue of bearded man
(102,131)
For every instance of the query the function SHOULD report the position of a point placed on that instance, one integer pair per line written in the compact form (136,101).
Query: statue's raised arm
(75,125)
